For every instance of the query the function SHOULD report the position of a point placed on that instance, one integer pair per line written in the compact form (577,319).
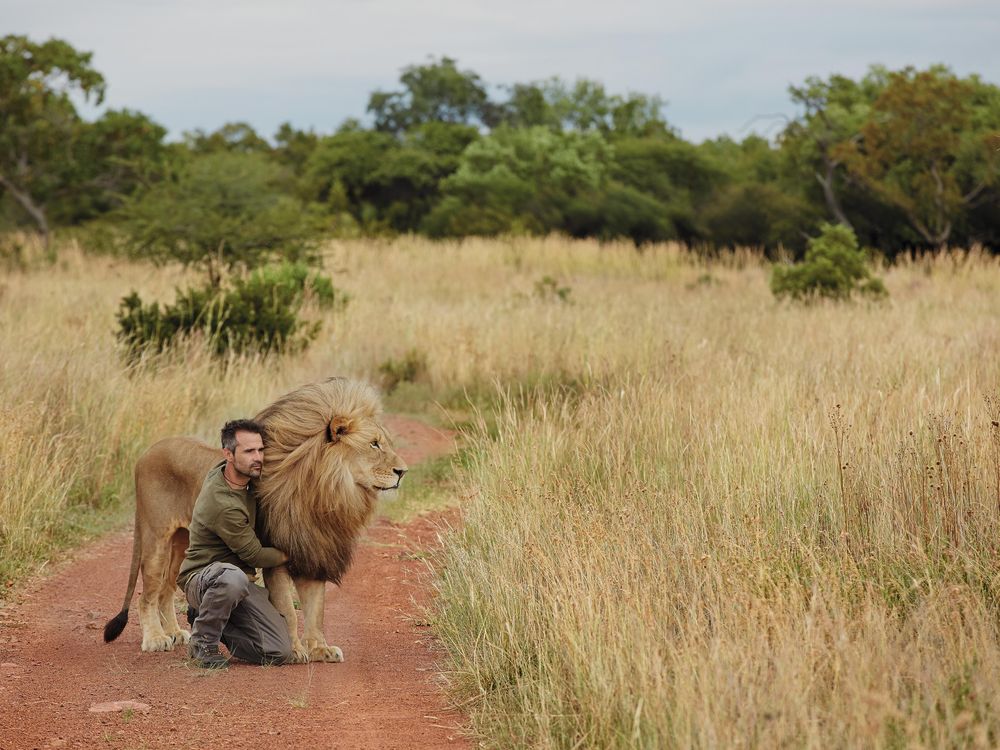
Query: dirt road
(61,686)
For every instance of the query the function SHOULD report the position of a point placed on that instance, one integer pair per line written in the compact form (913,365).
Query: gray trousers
(238,613)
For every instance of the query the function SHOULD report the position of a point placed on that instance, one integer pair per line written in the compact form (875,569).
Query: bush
(406,370)
(257,313)
(549,288)
(834,267)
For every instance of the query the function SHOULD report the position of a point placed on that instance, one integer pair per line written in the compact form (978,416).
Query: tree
(387,183)
(923,149)
(237,137)
(757,214)
(338,173)
(681,177)
(220,211)
(519,180)
(616,211)
(113,158)
(435,92)
(294,147)
(40,123)
(834,111)
(584,106)
(528,106)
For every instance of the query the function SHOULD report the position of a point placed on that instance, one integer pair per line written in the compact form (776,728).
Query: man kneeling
(220,564)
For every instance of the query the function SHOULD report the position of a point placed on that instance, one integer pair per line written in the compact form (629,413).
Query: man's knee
(278,647)
(232,583)
(282,655)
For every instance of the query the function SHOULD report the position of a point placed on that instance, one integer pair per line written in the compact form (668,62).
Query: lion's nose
(399,472)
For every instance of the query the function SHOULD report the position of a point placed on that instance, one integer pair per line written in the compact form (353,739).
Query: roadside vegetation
(694,514)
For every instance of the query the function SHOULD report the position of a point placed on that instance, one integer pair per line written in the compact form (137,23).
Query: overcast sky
(718,63)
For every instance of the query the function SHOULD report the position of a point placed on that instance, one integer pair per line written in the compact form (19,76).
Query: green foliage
(256,313)
(619,211)
(234,137)
(834,268)
(519,181)
(40,123)
(408,369)
(114,158)
(549,288)
(223,211)
(757,214)
(925,148)
(907,159)
(435,92)
(294,147)
(834,111)
(676,175)
(583,106)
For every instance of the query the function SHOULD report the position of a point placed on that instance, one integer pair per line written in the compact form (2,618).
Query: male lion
(326,458)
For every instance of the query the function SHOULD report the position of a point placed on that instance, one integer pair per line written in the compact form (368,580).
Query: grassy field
(694,517)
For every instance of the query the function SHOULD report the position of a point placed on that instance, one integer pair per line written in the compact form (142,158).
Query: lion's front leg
(312,598)
(281,592)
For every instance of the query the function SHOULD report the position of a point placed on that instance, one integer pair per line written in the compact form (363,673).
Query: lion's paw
(299,654)
(326,653)
(158,643)
(181,637)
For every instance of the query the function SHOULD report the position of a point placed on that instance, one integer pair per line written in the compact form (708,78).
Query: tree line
(907,159)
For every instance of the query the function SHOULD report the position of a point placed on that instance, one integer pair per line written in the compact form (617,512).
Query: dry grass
(699,518)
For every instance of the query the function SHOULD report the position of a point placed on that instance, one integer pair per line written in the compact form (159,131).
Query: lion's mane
(310,505)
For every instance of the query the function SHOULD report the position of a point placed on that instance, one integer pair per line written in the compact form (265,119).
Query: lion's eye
(376,446)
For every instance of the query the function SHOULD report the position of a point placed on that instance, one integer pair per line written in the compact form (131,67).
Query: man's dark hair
(229,430)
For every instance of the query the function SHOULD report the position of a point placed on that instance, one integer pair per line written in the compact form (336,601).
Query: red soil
(61,686)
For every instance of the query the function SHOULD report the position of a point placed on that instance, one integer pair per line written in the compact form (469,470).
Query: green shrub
(834,267)
(411,366)
(256,313)
(549,288)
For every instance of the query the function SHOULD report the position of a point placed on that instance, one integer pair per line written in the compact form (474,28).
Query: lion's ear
(338,427)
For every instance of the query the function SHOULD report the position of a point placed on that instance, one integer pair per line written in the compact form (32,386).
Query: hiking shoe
(207,657)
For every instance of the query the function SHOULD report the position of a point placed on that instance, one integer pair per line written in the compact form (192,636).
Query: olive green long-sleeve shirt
(222,530)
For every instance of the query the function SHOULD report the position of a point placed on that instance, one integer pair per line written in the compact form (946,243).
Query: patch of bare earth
(62,686)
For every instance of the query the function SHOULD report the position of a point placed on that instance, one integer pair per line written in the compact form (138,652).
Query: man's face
(248,458)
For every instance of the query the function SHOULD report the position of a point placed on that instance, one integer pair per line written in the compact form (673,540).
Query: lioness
(326,458)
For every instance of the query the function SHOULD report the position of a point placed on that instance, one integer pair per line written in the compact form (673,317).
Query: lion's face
(367,452)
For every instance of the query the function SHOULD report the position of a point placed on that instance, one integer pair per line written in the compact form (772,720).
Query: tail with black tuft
(115,626)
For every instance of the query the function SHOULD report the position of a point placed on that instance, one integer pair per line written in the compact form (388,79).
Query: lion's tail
(117,624)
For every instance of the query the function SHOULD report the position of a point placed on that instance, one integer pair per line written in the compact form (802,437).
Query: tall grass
(74,418)
(764,526)
(697,517)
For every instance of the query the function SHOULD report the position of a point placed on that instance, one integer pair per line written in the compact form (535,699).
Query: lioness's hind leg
(312,597)
(168,593)
(154,570)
